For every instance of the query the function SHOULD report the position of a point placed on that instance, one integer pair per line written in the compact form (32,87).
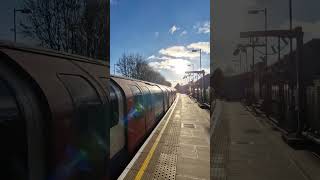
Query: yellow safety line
(153,148)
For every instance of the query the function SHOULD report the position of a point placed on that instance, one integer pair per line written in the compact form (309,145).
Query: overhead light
(253,12)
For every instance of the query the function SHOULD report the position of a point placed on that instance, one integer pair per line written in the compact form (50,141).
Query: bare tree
(74,26)
(135,66)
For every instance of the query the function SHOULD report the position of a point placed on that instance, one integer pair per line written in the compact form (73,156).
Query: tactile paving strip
(170,140)
(172,130)
(219,150)
(168,149)
(166,167)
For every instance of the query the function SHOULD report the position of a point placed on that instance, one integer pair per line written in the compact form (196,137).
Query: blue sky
(163,31)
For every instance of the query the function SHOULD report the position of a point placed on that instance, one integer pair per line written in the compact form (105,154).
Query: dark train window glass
(138,101)
(147,97)
(79,26)
(90,128)
(116,101)
(81,90)
(158,98)
(113,100)
(114,106)
(13,138)
(84,97)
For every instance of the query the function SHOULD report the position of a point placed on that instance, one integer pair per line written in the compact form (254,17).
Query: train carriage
(62,111)
(134,118)
(144,104)
(67,119)
(165,96)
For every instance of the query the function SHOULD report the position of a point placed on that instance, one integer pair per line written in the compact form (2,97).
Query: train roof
(50,52)
(138,80)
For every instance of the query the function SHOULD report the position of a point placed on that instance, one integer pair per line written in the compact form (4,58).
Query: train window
(117,127)
(89,127)
(14,154)
(81,91)
(114,106)
(116,101)
(138,101)
(157,98)
(117,132)
(147,97)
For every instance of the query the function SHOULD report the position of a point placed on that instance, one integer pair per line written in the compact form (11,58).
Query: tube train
(63,117)
(273,90)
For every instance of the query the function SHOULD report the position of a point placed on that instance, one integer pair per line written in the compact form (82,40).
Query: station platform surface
(247,147)
(178,148)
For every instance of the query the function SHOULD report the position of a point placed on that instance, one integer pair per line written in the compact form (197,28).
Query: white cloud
(202,28)
(151,57)
(177,65)
(173,29)
(204,46)
(156,58)
(186,51)
(178,52)
(183,33)
(174,61)
(156,34)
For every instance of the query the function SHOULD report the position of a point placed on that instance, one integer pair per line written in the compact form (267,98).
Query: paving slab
(245,147)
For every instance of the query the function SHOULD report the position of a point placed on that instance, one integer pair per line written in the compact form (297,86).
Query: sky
(230,17)
(164,32)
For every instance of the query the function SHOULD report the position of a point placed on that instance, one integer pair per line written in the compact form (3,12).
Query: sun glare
(181,68)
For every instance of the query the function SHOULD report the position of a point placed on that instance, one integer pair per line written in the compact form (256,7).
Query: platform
(178,148)
(248,147)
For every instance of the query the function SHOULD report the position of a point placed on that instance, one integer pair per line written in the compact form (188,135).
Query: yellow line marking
(153,148)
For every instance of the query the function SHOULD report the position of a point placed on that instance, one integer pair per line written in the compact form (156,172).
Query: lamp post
(198,50)
(265,28)
(192,70)
(24,11)
(290,13)
(202,81)
(290,24)
(244,50)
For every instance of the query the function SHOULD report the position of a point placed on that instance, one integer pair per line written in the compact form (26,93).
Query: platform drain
(166,167)
(185,125)
(242,142)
